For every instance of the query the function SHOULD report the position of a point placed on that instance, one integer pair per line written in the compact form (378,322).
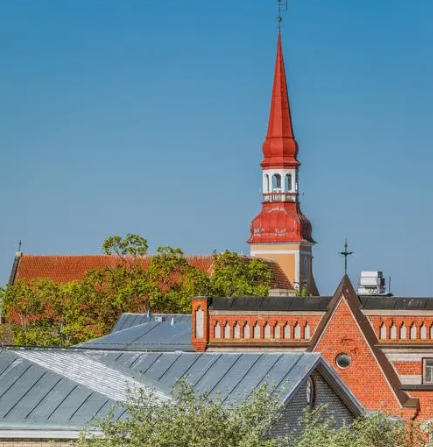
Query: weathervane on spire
(346,254)
(282,7)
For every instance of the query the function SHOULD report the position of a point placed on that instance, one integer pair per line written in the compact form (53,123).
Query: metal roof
(157,333)
(127,320)
(231,376)
(35,396)
(270,303)
(64,389)
(396,303)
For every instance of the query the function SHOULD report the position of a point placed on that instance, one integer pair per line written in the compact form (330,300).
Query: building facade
(381,346)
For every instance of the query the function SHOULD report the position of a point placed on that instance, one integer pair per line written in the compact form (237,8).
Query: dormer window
(276,182)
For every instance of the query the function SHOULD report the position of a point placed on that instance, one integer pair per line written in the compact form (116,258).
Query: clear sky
(148,117)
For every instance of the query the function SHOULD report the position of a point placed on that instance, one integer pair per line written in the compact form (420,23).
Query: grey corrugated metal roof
(270,303)
(396,303)
(85,371)
(33,396)
(231,376)
(127,320)
(172,333)
(64,389)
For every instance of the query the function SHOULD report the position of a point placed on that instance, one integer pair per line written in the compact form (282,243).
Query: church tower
(280,231)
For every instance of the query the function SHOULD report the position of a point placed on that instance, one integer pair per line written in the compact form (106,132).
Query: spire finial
(346,254)
(19,245)
(282,7)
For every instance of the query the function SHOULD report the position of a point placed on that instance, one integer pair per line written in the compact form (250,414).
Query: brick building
(381,346)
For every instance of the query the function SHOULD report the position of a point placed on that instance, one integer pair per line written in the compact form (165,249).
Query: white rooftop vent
(371,283)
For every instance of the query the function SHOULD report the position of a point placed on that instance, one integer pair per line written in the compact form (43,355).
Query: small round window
(343,360)
(310,392)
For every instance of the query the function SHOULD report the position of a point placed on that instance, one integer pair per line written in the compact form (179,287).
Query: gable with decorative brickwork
(370,375)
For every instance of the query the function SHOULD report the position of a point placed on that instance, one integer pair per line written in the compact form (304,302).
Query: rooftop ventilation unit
(371,283)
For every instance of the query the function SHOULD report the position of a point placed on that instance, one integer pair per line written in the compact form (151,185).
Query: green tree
(43,312)
(191,420)
(375,430)
(131,245)
(236,275)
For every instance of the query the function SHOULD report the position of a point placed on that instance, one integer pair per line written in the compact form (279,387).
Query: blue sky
(148,117)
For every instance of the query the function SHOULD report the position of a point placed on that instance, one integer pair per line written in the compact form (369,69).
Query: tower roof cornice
(280,147)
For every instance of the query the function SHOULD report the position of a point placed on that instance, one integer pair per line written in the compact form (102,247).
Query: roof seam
(25,394)
(42,399)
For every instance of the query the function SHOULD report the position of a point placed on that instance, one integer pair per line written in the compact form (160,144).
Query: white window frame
(424,369)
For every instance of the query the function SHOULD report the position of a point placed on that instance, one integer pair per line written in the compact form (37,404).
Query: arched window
(267,183)
(217,330)
(237,331)
(288,182)
(267,330)
(393,332)
(247,331)
(297,331)
(276,182)
(227,331)
(256,331)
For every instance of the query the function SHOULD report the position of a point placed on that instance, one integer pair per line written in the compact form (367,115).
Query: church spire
(280,147)
(280,231)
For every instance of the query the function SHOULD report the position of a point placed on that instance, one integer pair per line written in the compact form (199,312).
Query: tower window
(267,183)
(288,182)
(276,182)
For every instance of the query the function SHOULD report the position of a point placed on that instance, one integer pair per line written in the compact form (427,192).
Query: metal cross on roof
(282,7)
(346,254)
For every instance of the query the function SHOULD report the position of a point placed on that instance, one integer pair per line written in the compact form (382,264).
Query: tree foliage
(191,419)
(377,430)
(236,275)
(43,312)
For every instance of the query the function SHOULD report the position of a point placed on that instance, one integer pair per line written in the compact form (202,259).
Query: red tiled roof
(73,268)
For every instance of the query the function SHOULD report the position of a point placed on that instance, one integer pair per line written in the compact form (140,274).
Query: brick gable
(370,376)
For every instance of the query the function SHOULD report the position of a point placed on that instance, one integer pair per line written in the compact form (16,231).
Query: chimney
(200,323)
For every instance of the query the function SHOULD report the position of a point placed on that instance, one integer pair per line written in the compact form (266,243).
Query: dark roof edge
(14,269)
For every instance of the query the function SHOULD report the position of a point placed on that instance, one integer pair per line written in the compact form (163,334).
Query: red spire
(280,147)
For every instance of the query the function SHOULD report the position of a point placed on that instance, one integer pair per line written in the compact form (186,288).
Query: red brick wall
(410,321)
(426,404)
(408,368)
(364,377)
(262,320)
(200,344)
